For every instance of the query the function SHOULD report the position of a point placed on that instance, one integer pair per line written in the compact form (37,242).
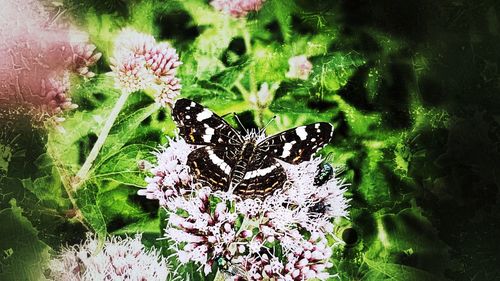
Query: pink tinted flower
(300,67)
(237,8)
(56,92)
(131,75)
(162,60)
(314,207)
(140,63)
(36,57)
(309,260)
(170,89)
(206,226)
(203,234)
(119,259)
(83,58)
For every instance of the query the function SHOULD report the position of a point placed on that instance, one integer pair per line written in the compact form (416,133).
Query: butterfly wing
(198,125)
(261,178)
(212,165)
(298,144)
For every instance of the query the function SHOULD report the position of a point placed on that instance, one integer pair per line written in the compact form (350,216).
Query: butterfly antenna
(224,116)
(268,123)
(239,121)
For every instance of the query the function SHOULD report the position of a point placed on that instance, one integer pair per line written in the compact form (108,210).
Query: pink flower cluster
(56,90)
(84,57)
(281,237)
(202,235)
(38,59)
(237,8)
(140,63)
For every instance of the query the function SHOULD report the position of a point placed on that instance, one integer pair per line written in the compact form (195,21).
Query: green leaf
(396,272)
(122,166)
(122,131)
(279,11)
(23,255)
(87,198)
(48,188)
(406,238)
(115,202)
(146,226)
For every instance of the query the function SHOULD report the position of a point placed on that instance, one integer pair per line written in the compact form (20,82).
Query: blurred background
(412,88)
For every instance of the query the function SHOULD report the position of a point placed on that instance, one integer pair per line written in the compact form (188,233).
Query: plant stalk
(82,174)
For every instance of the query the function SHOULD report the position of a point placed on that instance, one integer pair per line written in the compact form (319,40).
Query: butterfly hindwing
(199,125)
(262,178)
(212,165)
(298,144)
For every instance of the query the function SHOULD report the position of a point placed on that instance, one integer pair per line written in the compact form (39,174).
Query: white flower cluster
(140,63)
(119,259)
(170,175)
(281,237)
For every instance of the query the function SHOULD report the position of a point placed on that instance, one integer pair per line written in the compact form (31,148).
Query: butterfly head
(254,136)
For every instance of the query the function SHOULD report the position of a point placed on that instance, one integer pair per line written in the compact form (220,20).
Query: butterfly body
(247,165)
(245,157)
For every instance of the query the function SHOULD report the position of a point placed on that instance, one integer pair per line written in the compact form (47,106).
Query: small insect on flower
(325,172)
(231,270)
(318,208)
(243,164)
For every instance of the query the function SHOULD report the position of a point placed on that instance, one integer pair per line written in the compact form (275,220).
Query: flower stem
(249,51)
(84,170)
(253,84)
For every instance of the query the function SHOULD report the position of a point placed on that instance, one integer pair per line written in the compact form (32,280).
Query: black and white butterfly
(245,165)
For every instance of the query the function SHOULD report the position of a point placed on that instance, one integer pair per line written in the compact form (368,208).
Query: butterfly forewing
(297,144)
(198,125)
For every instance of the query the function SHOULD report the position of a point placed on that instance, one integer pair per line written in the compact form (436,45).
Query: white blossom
(170,174)
(118,259)
(300,67)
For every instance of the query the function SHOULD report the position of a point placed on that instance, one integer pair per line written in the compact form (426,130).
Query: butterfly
(245,165)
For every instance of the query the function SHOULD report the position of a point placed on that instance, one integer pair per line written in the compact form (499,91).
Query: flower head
(237,8)
(203,234)
(41,56)
(205,226)
(170,174)
(300,67)
(131,75)
(264,96)
(56,92)
(84,57)
(308,260)
(140,63)
(119,259)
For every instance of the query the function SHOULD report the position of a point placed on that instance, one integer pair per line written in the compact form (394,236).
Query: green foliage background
(412,88)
